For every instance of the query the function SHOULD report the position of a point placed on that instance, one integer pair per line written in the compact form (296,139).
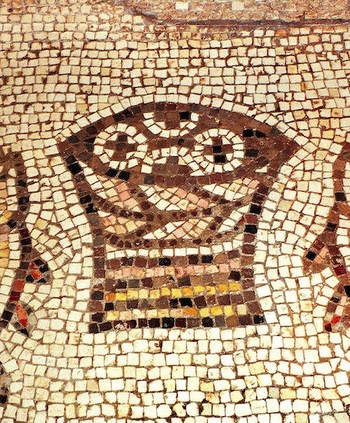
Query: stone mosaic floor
(174,218)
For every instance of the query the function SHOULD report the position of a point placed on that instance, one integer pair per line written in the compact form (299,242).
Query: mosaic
(174,212)
(179,188)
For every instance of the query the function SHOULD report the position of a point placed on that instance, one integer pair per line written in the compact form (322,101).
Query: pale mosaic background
(59,66)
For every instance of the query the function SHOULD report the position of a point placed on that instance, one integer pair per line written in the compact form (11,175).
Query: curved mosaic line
(32,268)
(326,250)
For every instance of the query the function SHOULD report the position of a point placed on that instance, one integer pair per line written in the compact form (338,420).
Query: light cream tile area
(174,218)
